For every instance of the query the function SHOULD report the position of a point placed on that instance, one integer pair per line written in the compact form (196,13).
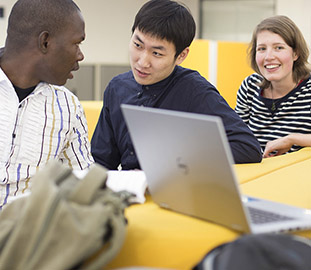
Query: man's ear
(43,41)
(182,56)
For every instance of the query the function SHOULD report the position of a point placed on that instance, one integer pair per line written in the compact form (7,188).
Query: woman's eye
(260,49)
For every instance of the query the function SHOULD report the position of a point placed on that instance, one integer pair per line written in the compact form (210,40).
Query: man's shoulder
(51,89)
(120,83)
(62,88)
(126,76)
(193,78)
(187,73)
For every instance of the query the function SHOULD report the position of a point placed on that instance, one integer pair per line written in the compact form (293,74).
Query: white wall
(108,27)
(7,5)
(241,18)
(300,12)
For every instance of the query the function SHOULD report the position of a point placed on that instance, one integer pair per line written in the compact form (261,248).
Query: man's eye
(137,45)
(157,54)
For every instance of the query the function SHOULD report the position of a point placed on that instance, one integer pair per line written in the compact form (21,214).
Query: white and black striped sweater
(292,112)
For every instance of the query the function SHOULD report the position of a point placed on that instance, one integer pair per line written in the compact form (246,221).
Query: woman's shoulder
(303,88)
(254,78)
(251,83)
(306,83)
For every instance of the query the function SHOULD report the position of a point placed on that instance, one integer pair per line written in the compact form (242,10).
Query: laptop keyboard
(260,216)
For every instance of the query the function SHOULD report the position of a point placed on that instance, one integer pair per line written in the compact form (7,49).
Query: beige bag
(63,222)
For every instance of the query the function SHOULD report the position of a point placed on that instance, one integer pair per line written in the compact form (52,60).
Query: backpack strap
(86,188)
(83,193)
(110,249)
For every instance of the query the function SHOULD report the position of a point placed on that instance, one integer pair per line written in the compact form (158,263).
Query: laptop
(189,169)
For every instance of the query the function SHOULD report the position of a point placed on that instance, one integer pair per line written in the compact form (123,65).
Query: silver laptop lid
(174,149)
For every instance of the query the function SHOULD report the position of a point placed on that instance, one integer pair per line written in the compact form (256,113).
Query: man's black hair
(166,19)
(29,18)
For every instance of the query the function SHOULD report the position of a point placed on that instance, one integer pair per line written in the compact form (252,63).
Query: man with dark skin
(40,120)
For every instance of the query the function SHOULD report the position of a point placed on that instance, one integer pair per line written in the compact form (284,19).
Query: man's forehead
(155,39)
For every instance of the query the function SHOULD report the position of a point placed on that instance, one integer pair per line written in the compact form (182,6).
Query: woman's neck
(279,89)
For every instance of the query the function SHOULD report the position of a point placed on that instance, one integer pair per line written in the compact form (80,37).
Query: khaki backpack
(65,222)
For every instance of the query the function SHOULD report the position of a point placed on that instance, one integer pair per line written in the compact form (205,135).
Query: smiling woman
(275,60)
(275,102)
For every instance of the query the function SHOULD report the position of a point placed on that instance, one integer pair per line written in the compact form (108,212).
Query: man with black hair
(161,35)
(40,120)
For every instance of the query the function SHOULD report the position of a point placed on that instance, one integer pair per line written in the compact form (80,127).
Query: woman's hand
(277,147)
(282,145)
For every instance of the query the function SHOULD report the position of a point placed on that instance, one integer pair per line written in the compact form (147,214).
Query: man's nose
(80,55)
(144,59)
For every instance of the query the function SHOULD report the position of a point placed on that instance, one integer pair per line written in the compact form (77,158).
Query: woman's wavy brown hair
(287,29)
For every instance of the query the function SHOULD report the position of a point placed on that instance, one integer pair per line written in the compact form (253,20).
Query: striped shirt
(292,112)
(48,124)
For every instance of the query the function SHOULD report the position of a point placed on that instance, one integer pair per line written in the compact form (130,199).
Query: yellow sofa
(92,110)
(161,238)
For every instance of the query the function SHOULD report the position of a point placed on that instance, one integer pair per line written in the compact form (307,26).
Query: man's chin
(70,76)
(142,81)
(59,82)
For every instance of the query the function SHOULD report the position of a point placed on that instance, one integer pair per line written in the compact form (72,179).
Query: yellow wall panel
(232,68)
(197,58)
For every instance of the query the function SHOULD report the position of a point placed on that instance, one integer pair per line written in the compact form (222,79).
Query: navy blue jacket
(184,90)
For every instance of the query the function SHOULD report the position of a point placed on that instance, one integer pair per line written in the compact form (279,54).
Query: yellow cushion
(161,238)
(249,172)
(291,184)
